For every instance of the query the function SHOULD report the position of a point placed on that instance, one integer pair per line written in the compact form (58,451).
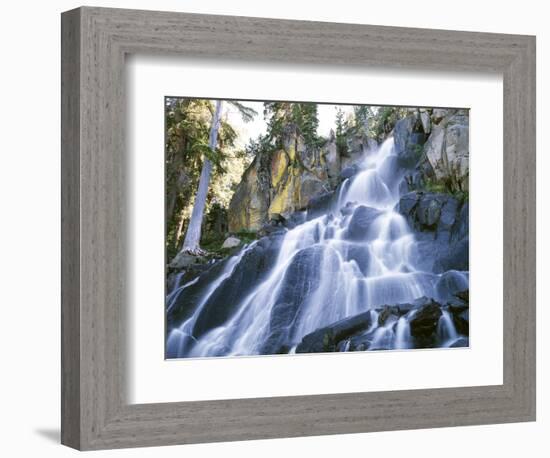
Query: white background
(149,79)
(29,181)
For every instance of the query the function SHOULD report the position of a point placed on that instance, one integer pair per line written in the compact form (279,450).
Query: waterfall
(358,256)
(446,330)
(402,333)
(177,290)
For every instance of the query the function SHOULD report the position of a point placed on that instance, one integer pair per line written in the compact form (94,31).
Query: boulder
(327,338)
(451,283)
(440,213)
(424,322)
(347,209)
(361,220)
(428,211)
(231,242)
(407,203)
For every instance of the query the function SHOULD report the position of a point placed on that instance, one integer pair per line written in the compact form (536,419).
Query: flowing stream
(354,271)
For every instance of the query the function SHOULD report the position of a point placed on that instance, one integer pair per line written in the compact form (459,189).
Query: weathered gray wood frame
(95,413)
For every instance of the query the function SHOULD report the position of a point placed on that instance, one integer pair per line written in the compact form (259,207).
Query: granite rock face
(291,178)
(447,148)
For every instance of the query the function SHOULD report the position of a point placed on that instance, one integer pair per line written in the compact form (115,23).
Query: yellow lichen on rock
(279,165)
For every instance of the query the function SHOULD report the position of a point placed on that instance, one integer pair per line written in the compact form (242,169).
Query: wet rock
(343,345)
(328,338)
(282,315)
(277,223)
(363,217)
(225,299)
(361,256)
(319,205)
(347,209)
(458,309)
(278,219)
(462,325)
(361,342)
(178,278)
(456,257)
(348,172)
(439,213)
(424,322)
(451,283)
(464,295)
(270,229)
(301,278)
(461,227)
(186,303)
(386,313)
(429,210)
(407,203)
(296,219)
(461,343)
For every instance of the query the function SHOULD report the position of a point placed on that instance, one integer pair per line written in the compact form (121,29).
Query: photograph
(301,227)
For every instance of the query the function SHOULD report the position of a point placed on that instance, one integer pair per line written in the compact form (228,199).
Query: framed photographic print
(285,228)
(331,228)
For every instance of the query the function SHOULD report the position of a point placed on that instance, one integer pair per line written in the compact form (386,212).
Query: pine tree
(212,154)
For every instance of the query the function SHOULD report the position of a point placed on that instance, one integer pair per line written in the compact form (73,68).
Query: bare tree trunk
(193,235)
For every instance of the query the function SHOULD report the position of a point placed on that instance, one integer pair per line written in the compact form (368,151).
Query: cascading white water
(179,338)
(446,329)
(354,273)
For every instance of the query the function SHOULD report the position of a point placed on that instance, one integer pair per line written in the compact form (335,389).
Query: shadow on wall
(53,435)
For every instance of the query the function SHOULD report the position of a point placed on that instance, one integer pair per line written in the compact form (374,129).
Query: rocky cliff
(282,181)
(433,144)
